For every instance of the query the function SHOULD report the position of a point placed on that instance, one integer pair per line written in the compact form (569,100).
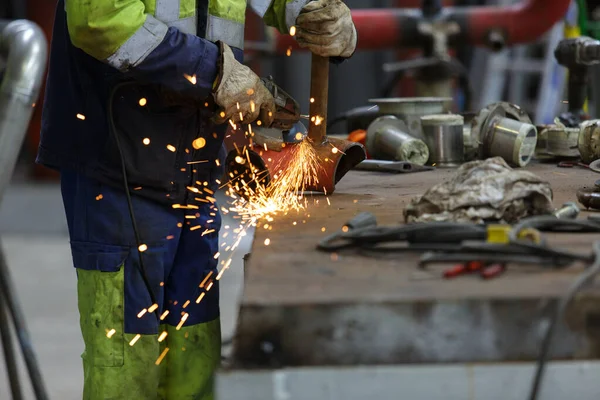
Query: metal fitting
(568,210)
(443,134)
(588,141)
(504,130)
(561,141)
(411,109)
(387,139)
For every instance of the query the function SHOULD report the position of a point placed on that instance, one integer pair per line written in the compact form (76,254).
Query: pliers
(486,271)
(572,164)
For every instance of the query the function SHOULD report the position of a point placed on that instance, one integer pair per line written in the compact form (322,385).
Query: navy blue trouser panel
(178,259)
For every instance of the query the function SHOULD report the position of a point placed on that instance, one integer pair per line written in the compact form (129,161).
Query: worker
(138,97)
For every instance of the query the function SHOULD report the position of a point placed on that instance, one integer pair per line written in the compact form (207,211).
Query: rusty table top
(305,307)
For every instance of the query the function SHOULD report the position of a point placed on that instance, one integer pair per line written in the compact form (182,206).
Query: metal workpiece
(411,109)
(559,141)
(470,141)
(589,197)
(505,130)
(387,139)
(589,141)
(568,210)
(511,140)
(23,48)
(443,134)
(478,123)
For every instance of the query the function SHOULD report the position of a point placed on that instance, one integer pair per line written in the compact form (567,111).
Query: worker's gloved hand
(325,27)
(239,93)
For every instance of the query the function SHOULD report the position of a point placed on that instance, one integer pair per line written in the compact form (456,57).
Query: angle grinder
(287,115)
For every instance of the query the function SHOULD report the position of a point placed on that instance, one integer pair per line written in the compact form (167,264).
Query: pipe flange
(486,127)
(511,111)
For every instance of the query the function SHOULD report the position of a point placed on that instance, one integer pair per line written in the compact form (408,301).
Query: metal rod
(16,312)
(9,351)
(319,96)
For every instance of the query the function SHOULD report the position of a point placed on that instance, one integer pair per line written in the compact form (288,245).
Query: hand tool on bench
(391,166)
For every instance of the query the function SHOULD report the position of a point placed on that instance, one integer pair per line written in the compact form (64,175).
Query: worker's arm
(325,27)
(123,35)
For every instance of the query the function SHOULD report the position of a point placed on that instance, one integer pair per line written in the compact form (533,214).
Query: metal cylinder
(512,140)
(562,141)
(387,140)
(411,109)
(443,134)
(589,141)
(567,211)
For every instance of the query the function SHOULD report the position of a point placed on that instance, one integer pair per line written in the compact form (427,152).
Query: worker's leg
(121,346)
(193,325)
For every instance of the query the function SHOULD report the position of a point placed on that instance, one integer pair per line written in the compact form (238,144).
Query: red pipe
(377,29)
(521,23)
(391,28)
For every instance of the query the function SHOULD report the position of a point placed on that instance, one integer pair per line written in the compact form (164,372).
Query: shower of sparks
(81,117)
(284,194)
(110,333)
(252,202)
(143,102)
(292,30)
(288,52)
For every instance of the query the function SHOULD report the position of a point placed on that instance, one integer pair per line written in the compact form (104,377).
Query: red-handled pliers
(485,271)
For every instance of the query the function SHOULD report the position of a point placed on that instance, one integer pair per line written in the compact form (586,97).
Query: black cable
(579,283)
(141,266)
(14,308)
(9,351)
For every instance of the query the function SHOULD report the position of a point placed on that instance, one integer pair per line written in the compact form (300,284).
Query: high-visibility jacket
(166,49)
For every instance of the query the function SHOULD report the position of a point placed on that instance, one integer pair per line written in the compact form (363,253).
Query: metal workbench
(341,323)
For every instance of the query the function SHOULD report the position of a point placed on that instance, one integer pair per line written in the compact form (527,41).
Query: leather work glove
(239,90)
(325,27)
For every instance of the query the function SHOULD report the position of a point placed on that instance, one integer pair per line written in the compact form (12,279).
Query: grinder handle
(319,94)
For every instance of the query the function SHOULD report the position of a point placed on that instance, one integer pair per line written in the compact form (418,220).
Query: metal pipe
(489,26)
(23,46)
(443,135)
(10,359)
(387,139)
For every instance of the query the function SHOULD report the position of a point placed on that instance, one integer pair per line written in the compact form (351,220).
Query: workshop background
(32,225)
